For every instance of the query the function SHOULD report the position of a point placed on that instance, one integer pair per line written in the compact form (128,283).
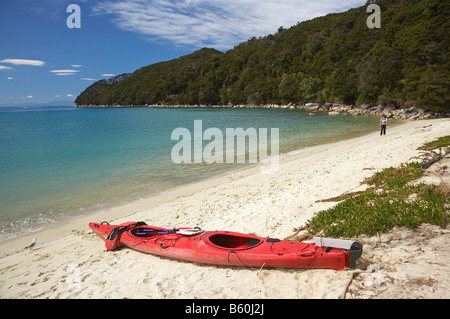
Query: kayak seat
(233,241)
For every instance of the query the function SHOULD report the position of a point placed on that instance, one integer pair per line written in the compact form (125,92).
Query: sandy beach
(69,261)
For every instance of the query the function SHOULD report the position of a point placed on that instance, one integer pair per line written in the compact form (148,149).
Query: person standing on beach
(383,124)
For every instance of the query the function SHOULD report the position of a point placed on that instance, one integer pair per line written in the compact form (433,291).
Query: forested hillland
(336,58)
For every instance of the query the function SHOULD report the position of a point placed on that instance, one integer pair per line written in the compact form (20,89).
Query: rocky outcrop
(410,113)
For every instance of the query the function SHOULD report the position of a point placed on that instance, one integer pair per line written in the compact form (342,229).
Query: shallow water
(61,162)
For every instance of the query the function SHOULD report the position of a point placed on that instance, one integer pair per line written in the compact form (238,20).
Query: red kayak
(228,248)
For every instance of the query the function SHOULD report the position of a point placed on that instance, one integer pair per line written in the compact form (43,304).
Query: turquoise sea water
(62,162)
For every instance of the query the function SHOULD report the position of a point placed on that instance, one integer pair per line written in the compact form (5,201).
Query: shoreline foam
(68,262)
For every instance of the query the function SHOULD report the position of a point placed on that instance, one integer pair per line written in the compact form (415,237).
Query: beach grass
(392,200)
(443,141)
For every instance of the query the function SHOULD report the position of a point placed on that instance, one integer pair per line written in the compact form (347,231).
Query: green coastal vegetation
(393,199)
(331,59)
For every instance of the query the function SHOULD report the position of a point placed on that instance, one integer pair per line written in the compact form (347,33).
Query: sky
(51,51)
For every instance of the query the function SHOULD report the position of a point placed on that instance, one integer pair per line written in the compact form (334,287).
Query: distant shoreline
(333,109)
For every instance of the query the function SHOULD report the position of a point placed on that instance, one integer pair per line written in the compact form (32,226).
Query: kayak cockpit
(231,241)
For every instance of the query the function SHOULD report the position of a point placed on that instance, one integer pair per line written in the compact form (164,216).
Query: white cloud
(88,79)
(76,66)
(64,72)
(29,96)
(23,62)
(69,95)
(10,77)
(107,74)
(5,67)
(219,24)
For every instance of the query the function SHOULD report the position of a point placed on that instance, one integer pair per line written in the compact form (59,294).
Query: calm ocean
(62,162)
